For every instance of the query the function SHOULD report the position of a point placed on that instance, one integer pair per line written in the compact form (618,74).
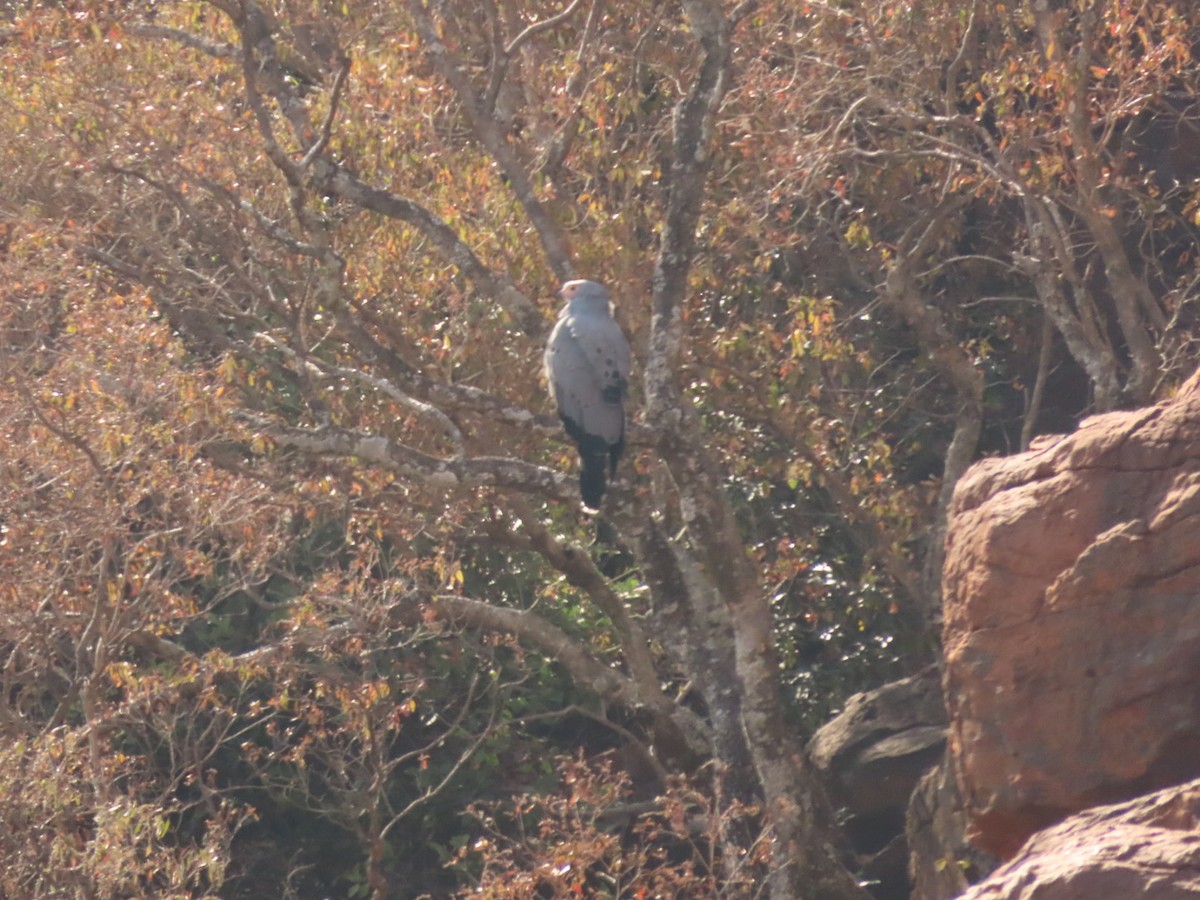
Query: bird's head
(586,296)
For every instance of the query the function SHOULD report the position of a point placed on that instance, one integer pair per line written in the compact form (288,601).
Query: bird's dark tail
(593,477)
(596,461)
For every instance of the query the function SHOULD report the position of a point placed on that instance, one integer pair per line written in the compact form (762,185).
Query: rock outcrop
(872,755)
(1148,848)
(1072,622)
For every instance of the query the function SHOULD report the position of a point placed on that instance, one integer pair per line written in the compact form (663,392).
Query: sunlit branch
(186,38)
(446,474)
(335,97)
(552,238)
(580,570)
(549,639)
(348,186)
(268,226)
(426,410)
(543,25)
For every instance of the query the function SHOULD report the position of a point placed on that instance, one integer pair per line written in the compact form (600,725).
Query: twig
(381,384)
(322,142)
(186,38)
(544,24)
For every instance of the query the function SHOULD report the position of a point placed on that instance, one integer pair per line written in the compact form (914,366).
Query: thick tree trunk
(804,864)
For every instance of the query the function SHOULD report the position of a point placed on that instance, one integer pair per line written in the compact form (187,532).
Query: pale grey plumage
(587,366)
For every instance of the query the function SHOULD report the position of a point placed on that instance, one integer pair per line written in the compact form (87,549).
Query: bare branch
(965,47)
(543,25)
(64,434)
(445,474)
(260,64)
(318,148)
(927,321)
(186,38)
(560,145)
(258,60)
(337,180)
(585,670)
(443,394)
(380,384)
(581,571)
(268,226)
(552,238)
(431,792)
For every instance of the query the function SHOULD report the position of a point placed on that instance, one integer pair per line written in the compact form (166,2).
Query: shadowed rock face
(872,755)
(1147,849)
(874,751)
(1072,621)
(942,864)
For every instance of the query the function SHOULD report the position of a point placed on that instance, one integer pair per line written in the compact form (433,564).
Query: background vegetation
(297,597)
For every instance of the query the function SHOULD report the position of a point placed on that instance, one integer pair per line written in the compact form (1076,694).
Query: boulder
(872,755)
(1147,849)
(1071,621)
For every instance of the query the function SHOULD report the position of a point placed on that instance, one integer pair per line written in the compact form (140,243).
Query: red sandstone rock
(1148,849)
(1072,621)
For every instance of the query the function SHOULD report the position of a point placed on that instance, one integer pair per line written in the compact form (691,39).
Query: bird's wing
(587,387)
(604,346)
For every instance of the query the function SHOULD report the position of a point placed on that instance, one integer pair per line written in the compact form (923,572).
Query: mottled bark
(692,624)
(804,862)
(1052,270)
(1137,311)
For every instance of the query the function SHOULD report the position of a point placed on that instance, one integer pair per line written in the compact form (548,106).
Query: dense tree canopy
(297,589)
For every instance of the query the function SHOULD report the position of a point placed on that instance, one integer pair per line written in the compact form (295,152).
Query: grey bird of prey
(587,366)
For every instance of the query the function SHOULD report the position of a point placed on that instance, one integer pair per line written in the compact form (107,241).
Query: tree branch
(335,97)
(543,25)
(553,240)
(426,410)
(260,63)
(560,145)
(446,474)
(800,817)
(337,180)
(585,671)
(581,571)
(904,296)
(185,38)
